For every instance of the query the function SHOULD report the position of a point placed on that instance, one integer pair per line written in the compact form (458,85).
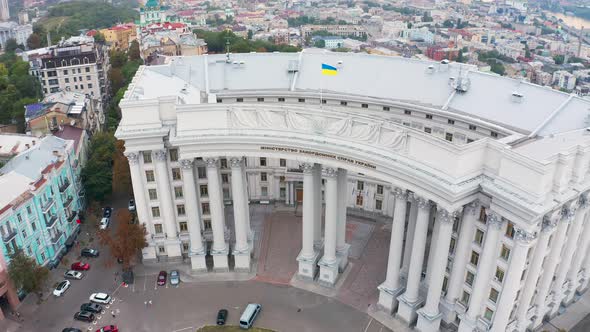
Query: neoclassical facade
(485,179)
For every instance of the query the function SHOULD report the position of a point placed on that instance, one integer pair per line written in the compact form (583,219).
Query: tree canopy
(216,43)
(128,240)
(25,273)
(97,175)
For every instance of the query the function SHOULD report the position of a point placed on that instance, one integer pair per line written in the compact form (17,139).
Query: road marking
(186,328)
(144,282)
(369,324)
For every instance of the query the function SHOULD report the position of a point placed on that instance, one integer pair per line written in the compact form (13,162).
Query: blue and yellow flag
(329,70)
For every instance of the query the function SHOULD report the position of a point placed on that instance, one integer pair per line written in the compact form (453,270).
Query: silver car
(174,277)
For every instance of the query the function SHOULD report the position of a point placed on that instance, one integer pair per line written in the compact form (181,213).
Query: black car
(91,307)
(106,212)
(87,252)
(221,317)
(84,316)
(71,329)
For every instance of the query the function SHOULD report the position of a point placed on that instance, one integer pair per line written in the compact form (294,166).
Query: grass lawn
(229,328)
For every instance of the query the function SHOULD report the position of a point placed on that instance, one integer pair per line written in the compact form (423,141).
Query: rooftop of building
(18,185)
(13,144)
(67,132)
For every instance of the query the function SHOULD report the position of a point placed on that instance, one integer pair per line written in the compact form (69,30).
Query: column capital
(523,237)
(445,216)
(583,201)
(186,163)
(160,154)
(549,223)
(568,212)
(471,208)
(330,172)
(235,162)
(494,220)
(423,203)
(212,162)
(133,158)
(399,193)
(307,167)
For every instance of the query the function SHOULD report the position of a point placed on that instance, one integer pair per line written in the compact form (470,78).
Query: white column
(308,257)
(342,247)
(391,287)
(581,250)
(534,273)
(292,193)
(317,207)
(220,250)
(431,252)
(246,203)
(197,250)
(241,248)
(410,300)
(429,316)
(522,243)
(484,271)
(567,255)
(549,268)
(586,274)
(287,192)
(173,249)
(328,263)
(462,251)
(409,236)
(141,206)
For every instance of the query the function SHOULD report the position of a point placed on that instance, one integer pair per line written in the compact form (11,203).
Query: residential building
(120,36)
(4,10)
(564,80)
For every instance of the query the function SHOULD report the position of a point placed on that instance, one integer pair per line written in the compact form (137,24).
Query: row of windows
(78,79)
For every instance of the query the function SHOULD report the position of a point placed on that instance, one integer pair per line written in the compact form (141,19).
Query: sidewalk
(573,315)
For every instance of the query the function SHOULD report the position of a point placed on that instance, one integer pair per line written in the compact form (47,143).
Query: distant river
(573,21)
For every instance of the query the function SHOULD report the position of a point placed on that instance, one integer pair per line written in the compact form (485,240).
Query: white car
(61,288)
(101,298)
(131,205)
(71,274)
(104,223)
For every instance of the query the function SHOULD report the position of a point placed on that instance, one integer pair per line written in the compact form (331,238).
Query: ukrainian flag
(329,70)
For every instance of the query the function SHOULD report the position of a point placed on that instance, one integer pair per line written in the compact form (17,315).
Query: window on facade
(147,157)
(499,274)
(469,140)
(153,194)
(34,226)
(494,134)
(262,161)
(478,236)
(67,80)
(449,137)
(19,217)
(239,100)
(469,277)
(38,242)
(207,224)
(324,101)
(427,130)
(301,100)
(281,99)
(488,314)
(452,246)
(224,178)
(88,77)
(359,200)
(43,256)
(474,258)
(505,253)
(264,191)
(365,105)
(260,99)
(29,211)
(204,190)
(155,212)
(472,127)
(343,103)
(465,298)
(449,121)
(445,284)
(429,116)
(176,174)
(180,210)
(360,185)
(406,112)
(263,176)
(223,163)
(161,249)
(483,217)
(158,228)
(283,162)
(65,71)
(225,193)
(24,232)
(379,189)
(178,192)
(182,226)
(378,204)
(282,192)
(494,295)
(87,69)
(510,230)
(386,108)
(201,172)
(219,100)
(185,246)
(173,154)
(149,176)
(205,207)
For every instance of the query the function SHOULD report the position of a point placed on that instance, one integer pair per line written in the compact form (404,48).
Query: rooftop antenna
(227,47)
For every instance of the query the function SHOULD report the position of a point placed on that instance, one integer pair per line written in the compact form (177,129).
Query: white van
(249,315)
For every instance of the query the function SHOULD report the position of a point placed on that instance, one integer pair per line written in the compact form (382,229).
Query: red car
(109,328)
(162,278)
(80,266)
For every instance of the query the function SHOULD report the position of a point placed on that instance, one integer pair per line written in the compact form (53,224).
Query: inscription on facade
(318,154)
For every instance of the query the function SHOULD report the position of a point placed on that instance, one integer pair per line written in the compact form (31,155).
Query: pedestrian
(113,313)
(145,302)
(150,302)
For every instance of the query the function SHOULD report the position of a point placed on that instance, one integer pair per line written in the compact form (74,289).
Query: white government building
(485,178)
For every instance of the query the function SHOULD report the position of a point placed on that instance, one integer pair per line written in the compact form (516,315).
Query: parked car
(162,278)
(71,329)
(174,277)
(91,307)
(61,288)
(88,252)
(221,317)
(104,223)
(84,316)
(71,274)
(107,211)
(131,205)
(108,328)
(80,266)
(101,298)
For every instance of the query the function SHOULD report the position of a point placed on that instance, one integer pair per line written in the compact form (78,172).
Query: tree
(133,52)
(559,59)
(26,274)
(99,38)
(320,43)
(121,173)
(460,57)
(34,41)
(11,45)
(250,34)
(448,24)
(116,78)
(128,240)
(97,176)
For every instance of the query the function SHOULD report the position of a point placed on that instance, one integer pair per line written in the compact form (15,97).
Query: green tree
(128,240)
(448,24)
(319,43)
(34,41)
(97,175)
(559,59)
(460,57)
(11,45)
(99,38)
(250,34)
(26,274)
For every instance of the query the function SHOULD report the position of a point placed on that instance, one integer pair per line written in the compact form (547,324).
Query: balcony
(45,207)
(68,201)
(50,220)
(64,186)
(8,235)
(72,217)
(55,237)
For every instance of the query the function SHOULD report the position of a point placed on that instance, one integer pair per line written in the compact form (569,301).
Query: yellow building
(120,36)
